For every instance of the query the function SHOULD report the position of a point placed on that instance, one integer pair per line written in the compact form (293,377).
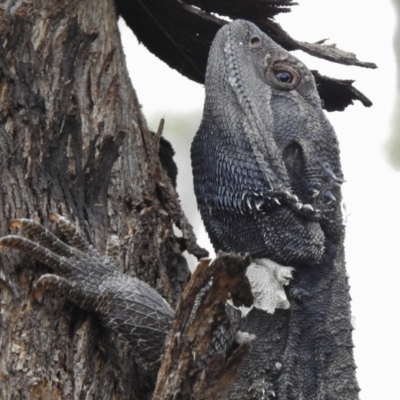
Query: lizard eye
(284,77)
(283,73)
(255,41)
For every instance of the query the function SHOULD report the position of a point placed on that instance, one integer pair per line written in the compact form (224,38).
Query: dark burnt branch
(241,9)
(190,339)
(338,94)
(180,33)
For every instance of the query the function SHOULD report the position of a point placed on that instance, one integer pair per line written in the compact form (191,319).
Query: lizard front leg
(136,311)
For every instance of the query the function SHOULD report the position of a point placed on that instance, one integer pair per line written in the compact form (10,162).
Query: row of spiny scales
(253,201)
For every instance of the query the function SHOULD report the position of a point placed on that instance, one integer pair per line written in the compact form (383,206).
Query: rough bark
(73,141)
(188,370)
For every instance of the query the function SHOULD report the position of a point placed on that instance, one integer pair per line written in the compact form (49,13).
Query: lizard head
(264,117)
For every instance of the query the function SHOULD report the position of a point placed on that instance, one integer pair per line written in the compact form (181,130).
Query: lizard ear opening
(293,158)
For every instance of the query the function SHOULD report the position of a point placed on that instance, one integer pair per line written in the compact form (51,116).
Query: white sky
(372,191)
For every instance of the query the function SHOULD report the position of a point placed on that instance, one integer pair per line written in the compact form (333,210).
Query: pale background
(372,191)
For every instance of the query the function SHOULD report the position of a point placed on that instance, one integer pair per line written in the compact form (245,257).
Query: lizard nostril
(255,41)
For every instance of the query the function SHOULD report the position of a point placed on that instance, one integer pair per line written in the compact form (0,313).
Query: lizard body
(267,178)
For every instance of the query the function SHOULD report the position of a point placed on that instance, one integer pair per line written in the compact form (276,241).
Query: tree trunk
(73,140)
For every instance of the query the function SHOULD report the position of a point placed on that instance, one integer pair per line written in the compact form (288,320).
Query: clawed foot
(136,311)
(70,260)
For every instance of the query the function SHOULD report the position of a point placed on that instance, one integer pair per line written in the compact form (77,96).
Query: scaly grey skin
(267,179)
